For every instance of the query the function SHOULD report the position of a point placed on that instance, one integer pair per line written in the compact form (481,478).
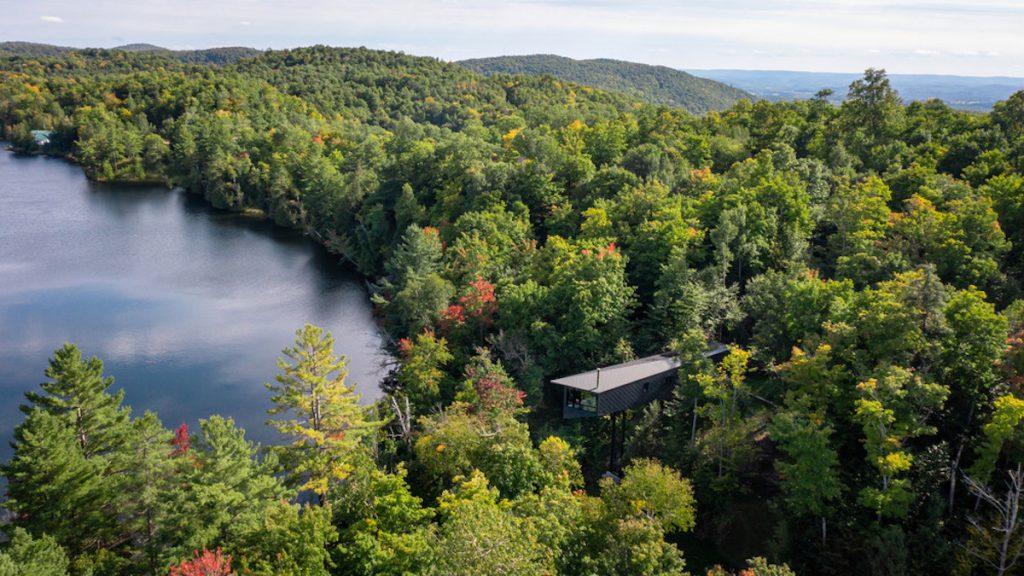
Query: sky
(968,37)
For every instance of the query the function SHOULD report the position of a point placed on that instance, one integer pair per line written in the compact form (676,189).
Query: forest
(864,262)
(651,84)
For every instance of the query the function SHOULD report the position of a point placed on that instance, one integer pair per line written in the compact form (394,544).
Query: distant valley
(962,92)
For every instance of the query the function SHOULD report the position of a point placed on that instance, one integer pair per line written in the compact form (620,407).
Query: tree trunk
(721,442)
(83,440)
(953,469)
(1013,494)
(693,425)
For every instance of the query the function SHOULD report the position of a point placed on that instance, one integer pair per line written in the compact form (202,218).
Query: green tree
(809,475)
(893,409)
(861,215)
(283,540)
(652,491)
(721,388)
(969,364)
(78,393)
(871,116)
(56,489)
(757,567)
(61,478)
(219,480)
(27,556)
(588,303)
(478,534)
(147,471)
(384,528)
(494,243)
(637,547)
(1007,194)
(686,300)
(420,303)
(632,519)
(419,253)
(420,375)
(464,438)
(558,458)
(790,308)
(1009,115)
(1003,433)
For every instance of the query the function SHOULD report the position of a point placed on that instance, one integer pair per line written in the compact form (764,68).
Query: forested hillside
(223,55)
(652,84)
(33,49)
(864,262)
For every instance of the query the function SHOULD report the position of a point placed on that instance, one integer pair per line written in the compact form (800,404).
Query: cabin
(42,137)
(613,389)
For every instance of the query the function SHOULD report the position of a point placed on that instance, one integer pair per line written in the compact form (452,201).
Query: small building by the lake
(613,389)
(41,137)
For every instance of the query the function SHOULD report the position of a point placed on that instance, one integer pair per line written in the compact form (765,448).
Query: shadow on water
(324,262)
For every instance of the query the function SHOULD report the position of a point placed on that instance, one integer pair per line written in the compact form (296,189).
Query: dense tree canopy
(864,262)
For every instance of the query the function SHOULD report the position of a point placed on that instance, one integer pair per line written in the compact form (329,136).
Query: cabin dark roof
(612,377)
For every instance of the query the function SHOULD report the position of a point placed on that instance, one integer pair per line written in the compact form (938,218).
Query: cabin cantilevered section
(613,389)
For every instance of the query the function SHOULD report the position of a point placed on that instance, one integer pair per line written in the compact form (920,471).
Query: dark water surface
(187,306)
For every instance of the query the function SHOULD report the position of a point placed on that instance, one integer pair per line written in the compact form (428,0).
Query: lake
(188,307)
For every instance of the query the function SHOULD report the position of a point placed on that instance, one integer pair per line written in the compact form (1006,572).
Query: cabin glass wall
(581,400)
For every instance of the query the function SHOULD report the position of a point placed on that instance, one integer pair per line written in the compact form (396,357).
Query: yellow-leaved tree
(327,429)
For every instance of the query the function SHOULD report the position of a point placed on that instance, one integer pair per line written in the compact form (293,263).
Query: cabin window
(581,400)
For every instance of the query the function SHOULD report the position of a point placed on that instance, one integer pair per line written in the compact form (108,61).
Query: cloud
(52,19)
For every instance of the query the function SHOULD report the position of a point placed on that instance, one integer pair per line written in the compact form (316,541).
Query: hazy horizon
(830,36)
(686,69)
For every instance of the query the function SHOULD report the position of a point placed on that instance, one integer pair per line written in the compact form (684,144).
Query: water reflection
(188,307)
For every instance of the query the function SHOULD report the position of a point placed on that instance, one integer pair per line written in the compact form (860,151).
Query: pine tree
(220,479)
(59,479)
(53,488)
(325,423)
(79,393)
(146,471)
(26,556)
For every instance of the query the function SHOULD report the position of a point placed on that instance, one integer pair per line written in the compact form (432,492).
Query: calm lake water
(188,307)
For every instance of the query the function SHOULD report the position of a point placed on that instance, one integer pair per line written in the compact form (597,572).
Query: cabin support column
(617,439)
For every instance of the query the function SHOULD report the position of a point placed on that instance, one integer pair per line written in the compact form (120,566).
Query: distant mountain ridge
(964,92)
(222,55)
(698,91)
(33,49)
(141,47)
(654,84)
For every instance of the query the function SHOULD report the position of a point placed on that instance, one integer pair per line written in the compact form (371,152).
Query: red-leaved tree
(181,441)
(204,563)
(476,307)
